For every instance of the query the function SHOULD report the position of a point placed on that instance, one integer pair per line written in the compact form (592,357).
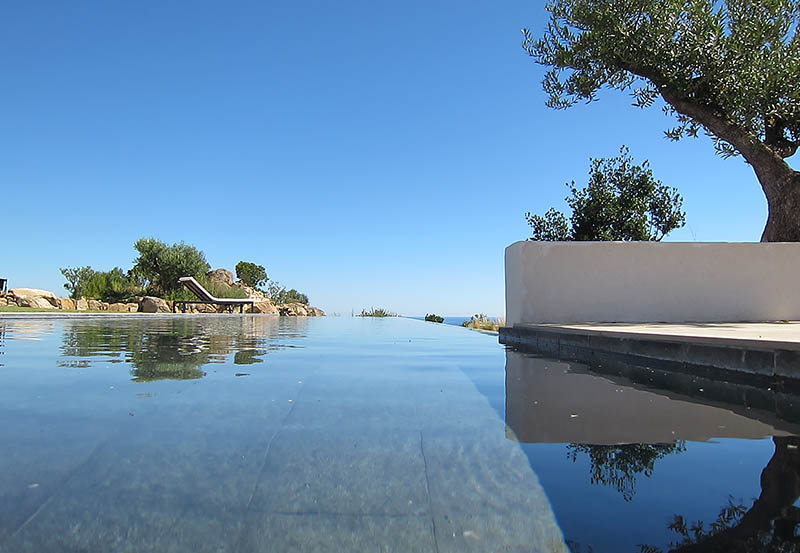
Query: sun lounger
(205,297)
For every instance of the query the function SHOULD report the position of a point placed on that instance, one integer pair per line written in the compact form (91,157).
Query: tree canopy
(622,201)
(730,68)
(162,265)
(251,274)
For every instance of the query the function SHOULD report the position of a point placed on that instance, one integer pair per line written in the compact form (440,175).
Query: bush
(279,295)
(112,286)
(377,312)
(160,266)
(214,287)
(483,322)
(434,318)
(251,274)
(622,201)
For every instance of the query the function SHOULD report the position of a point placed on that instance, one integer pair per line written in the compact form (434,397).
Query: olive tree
(161,265)
(729,68)
(621,201)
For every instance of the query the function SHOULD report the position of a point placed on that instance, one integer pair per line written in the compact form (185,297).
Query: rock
(132,307)
(66,303)
(264,307)
(81,304)
(221,275)
(35,293)
(150,304)
(293,310)
(3,301)
(118,307)
(315,312)
(96,305)
(200,308)
(252,293)
(38,303)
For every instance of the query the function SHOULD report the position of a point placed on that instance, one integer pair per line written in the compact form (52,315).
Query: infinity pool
(257,433)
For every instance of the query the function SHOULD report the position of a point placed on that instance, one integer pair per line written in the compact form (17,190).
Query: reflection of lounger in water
(205,297)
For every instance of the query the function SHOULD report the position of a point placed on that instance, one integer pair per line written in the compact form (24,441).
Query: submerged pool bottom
(205,433)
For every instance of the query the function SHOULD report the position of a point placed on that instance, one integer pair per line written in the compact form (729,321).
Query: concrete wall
(571,282)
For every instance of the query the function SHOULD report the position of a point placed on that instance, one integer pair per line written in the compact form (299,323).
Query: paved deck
(766,350)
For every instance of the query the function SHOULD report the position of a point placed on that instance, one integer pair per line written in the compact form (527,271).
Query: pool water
(257,433)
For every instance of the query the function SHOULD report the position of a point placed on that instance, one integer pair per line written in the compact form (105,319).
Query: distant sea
(456,321)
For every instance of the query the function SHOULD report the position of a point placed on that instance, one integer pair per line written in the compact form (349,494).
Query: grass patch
(17,309)
(483,322)
(377,312)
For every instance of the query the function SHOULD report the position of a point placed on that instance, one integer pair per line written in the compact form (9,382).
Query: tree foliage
(77,278)
(278,294)
(434,318)
(622,201)
(161,265)
(251,274)
(730,68)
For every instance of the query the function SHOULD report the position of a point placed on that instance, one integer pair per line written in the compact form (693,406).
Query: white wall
(571,282)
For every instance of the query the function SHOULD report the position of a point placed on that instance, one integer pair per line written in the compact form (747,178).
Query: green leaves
(162,265)
(251,274)
(738,60)
(621,201)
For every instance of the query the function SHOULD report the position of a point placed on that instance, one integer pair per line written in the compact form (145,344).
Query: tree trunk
(783,201)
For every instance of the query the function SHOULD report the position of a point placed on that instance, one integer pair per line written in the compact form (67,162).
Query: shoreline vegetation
(377,312)
(151,286)
(482,321)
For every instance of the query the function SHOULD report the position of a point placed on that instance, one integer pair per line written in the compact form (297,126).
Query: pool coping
(732,355)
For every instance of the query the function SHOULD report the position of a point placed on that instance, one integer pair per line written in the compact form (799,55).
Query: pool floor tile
(268,532)
(355,473)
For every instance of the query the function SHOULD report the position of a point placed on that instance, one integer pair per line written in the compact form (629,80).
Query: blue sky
(366,153)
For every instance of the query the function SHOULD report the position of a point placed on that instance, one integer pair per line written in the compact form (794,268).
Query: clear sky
(366,153)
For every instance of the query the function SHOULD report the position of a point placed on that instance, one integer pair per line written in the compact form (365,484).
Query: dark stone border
(754,363)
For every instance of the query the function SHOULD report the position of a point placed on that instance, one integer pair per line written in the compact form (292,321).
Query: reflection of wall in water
(557,402)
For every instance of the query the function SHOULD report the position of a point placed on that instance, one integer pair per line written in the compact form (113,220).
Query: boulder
(38,303)
(252,293)
(66,303)
(150,304)
(221,275)
(118,307)
(3,301)
(293,310)
(315,312)
(200,308)
(264,307)
(81,304)
(35,293)
(132,307)
(97,305)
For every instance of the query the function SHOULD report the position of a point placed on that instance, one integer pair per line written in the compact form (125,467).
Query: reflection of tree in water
(172,348)
(769,526)
(2,339)
(619,465)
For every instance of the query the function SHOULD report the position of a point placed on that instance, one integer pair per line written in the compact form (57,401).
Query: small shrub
(434,318)
(483,322)
(377,312)
(110,286)
(279,295)
(76,279)
(215,288)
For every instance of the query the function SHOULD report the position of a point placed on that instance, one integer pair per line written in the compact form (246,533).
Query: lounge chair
(205,297)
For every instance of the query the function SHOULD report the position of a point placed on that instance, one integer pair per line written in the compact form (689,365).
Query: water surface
(230,433)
